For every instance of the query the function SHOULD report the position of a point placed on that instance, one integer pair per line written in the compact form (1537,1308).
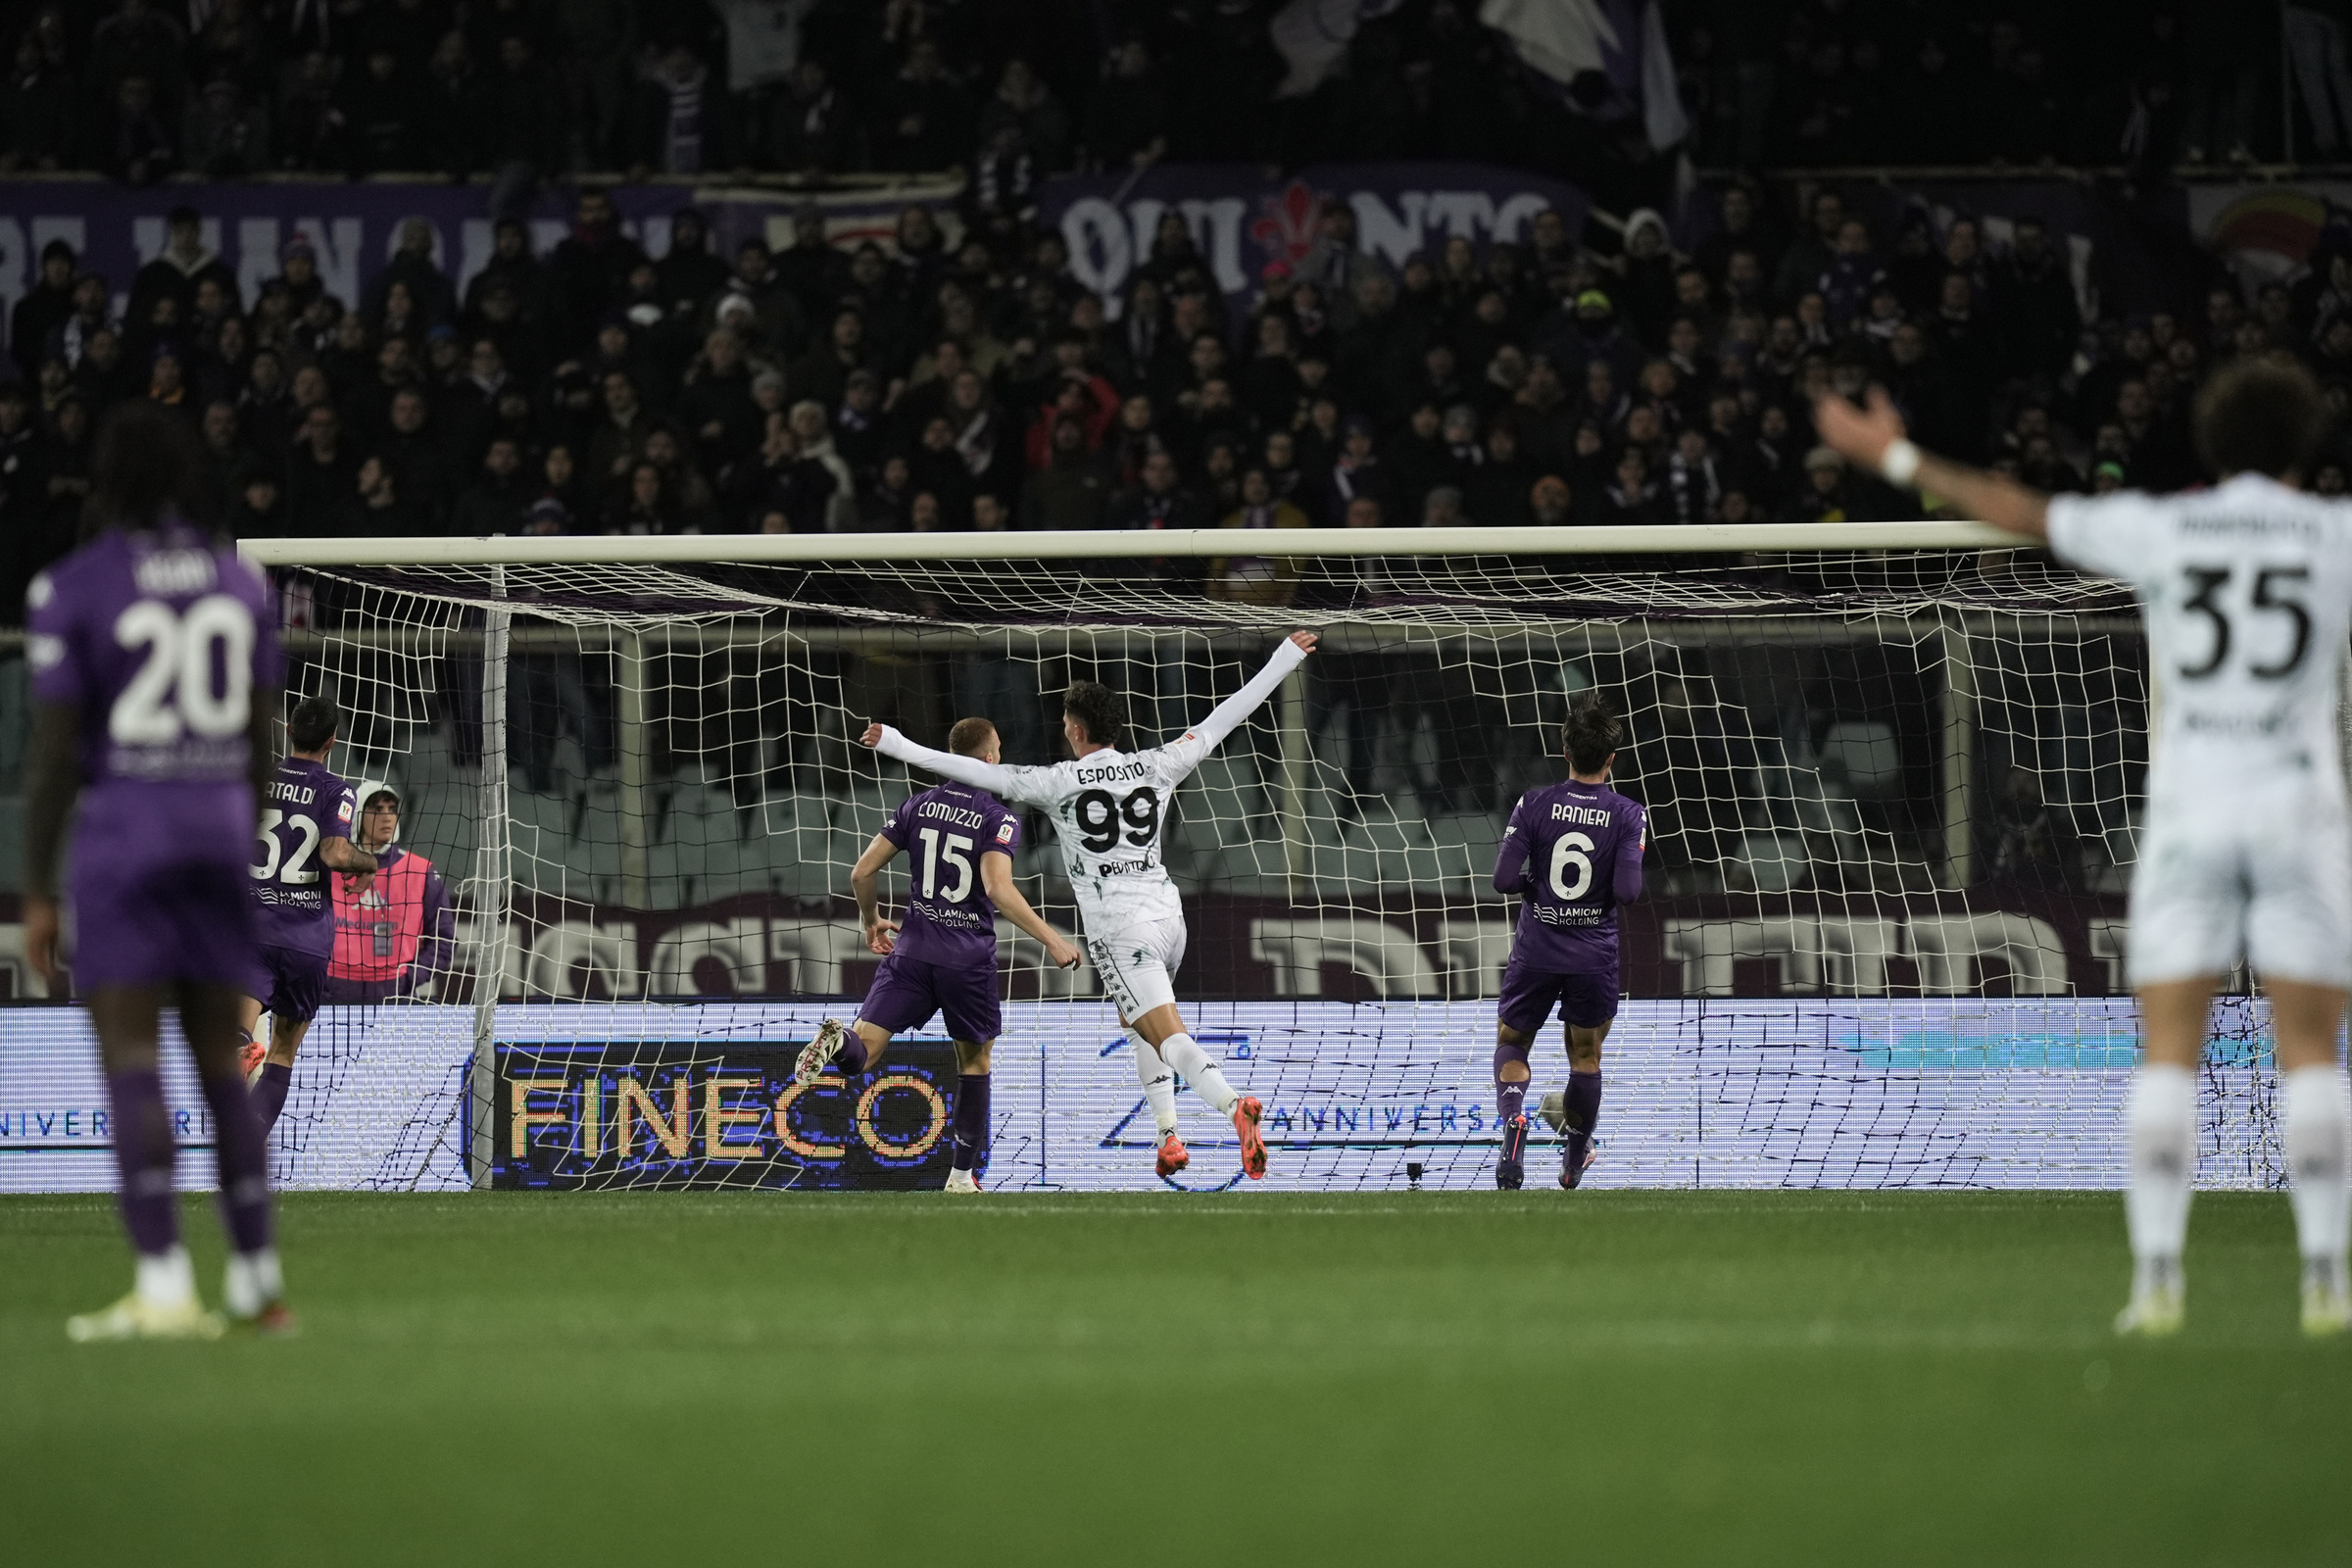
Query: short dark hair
(971,736)
(2261,416)
(312,724)
(1592,733)
(1101,712)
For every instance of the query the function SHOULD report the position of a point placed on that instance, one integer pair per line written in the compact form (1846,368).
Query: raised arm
(1228,715)
(995,877)
(1873,438)
(1004,783)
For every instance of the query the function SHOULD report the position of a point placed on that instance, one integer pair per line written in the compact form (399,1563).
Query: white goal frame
(493,868)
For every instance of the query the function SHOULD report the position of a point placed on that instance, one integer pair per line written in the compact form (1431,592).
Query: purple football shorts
(138,922)
(287,983)
(907,992)
(1585,1001)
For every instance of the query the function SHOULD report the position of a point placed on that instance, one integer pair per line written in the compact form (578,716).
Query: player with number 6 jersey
(1109,808)
(1573,853)
(943,960)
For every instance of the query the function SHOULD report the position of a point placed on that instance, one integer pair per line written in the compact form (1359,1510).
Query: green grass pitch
(1610,1377)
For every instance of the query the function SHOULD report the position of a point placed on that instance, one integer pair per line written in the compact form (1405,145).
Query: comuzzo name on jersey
(1591,816)
(959,815)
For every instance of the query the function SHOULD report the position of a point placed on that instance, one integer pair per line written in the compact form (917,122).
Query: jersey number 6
(1573,851)
(1100,818)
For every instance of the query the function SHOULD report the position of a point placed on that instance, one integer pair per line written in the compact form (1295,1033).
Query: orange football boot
(1173,1155)
(1253,1146)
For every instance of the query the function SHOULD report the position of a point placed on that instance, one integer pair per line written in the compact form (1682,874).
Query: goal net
(1894,796)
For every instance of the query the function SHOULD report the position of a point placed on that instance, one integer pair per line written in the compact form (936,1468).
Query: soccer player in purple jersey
(304,833)
(155,669)
(1573,853)
(943,960)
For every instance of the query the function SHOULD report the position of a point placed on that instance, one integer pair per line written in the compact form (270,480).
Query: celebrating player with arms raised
(1573,851)
(305,832)
(155,670)
(943,959)
(1108,808)
(2248,589)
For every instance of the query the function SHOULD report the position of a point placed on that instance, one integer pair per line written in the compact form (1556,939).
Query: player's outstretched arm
(996,876)
(865,881)
(1227,716)
(1873,438)
(1004,783)
(52,779)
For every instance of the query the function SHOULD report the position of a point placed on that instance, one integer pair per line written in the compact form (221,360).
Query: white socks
(2161,1123)
(1184,1053)
(167,1279)
(2318,1134)
(252,1283)
(1159,1086)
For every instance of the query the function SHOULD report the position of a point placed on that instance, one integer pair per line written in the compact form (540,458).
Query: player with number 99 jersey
(160,639)
(2248,594)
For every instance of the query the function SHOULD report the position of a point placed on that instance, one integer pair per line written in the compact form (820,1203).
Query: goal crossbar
(1129,544)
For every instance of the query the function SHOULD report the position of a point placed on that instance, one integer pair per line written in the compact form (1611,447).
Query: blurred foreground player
(394,931)
(2247,594)
(1110,810)
(155,670)
(304,833)
(1573,853)
(943,959)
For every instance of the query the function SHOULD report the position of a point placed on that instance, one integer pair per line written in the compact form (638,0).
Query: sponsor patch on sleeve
(343,808)
(1005,831)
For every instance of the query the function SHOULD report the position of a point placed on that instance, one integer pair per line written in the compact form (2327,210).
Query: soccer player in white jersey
(2245,854)
(1108,808)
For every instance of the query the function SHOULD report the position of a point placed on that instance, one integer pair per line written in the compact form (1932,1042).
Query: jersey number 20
(174,689)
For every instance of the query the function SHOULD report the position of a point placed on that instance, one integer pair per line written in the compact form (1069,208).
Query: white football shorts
(2270,884)
(1139,965)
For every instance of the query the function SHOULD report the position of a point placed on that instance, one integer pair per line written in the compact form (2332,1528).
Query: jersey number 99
(1101,819)
(178,688)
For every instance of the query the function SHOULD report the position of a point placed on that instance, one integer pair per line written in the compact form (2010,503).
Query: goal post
(1893,772)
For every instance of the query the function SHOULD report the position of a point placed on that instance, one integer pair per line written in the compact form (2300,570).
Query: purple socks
(1583,1113)
(850,1058)
(1510,1098)
(971,1120)
(270,1093)
(240,1141)
(143,1157)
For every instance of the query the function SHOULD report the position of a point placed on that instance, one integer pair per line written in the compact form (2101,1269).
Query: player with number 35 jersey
(1110,808)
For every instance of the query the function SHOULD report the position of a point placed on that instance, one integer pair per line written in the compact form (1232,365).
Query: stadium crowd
(1592,378)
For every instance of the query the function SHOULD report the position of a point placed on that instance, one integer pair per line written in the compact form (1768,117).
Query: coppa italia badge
(700,1114)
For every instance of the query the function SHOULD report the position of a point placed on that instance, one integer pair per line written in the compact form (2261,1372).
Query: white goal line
(1805,538)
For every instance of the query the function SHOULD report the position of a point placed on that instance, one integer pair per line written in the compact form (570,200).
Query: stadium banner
(1386,1096)
(354,228)
(1243,221)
